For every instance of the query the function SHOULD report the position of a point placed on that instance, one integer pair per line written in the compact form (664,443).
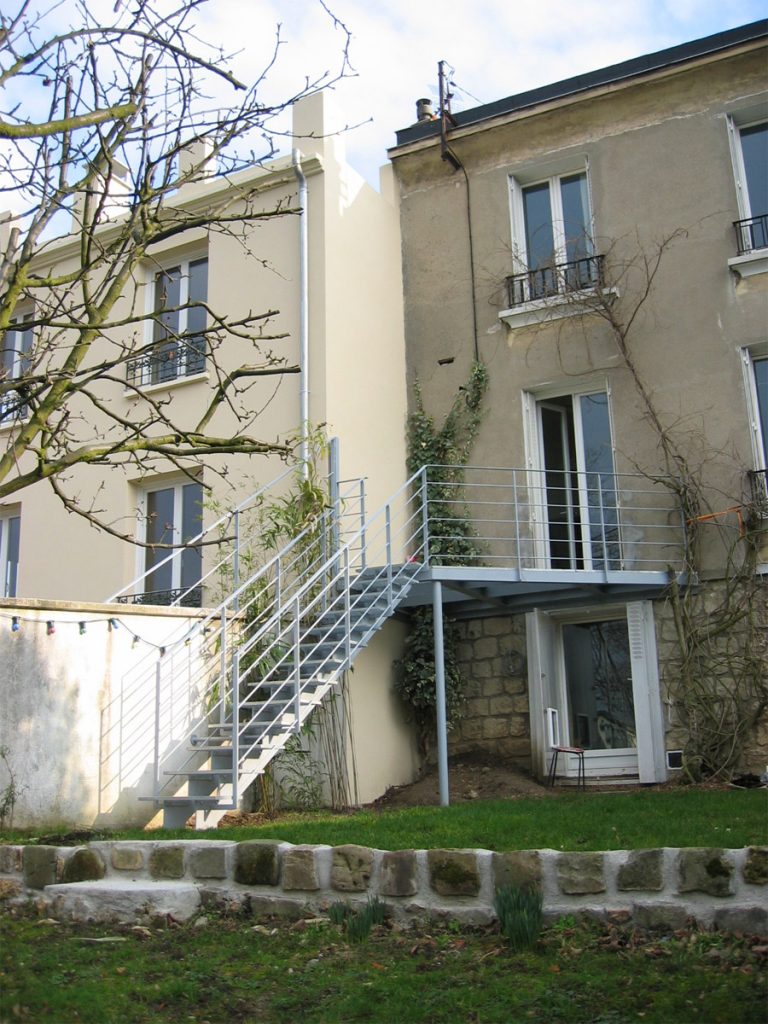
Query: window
(756,368)
(172,515)
(750,150)
(14,363)
(575,481)
(178,345)
(552,235)
(10,531)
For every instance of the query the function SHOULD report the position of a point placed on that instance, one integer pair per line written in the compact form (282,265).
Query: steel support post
(442,718)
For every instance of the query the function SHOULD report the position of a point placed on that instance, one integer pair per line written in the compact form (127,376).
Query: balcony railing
(190,598)
(167,362)
(12,407)
(557,279)
(751,234)
(758,483)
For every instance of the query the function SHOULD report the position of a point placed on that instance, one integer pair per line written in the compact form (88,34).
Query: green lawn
(572,821)
(234,971)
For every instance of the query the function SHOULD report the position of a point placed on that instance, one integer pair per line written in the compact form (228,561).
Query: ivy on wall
(445,450)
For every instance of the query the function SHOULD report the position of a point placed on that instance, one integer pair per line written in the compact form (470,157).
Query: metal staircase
(243,679)
(231,690)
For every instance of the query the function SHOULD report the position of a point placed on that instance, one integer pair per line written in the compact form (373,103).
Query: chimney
(424,110)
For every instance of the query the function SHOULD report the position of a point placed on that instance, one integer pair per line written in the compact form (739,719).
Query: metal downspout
(303,317)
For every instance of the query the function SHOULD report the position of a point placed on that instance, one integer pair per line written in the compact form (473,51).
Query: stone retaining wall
(725,889)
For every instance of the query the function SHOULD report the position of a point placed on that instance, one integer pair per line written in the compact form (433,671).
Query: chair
(553,729)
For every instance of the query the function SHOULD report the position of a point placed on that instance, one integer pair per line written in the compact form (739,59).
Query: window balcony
(758,485)
(553,292)
(189,598)
(751,246)
(169,362)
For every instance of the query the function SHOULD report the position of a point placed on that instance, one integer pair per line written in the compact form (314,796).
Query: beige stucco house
(600,245)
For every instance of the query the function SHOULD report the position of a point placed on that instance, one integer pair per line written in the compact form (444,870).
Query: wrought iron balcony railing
(12,407)
(758,483)
(751,234)
(557,279)
(169,361)
(190,598)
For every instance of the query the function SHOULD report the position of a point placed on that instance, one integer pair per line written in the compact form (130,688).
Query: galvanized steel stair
(277,692)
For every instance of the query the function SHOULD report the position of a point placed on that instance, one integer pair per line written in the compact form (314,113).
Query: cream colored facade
(646,159)
(354,375)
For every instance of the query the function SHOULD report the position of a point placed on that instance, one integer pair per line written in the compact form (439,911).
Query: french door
(593,680)
(575,482)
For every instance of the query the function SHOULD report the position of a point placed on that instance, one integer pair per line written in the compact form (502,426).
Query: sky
(497,48)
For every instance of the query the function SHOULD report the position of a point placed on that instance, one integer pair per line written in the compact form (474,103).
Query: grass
(236,972)
(728,818)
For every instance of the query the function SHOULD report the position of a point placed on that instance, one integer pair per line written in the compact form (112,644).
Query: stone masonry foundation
(139,880)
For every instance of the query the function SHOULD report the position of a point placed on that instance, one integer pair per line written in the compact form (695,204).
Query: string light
(82,628)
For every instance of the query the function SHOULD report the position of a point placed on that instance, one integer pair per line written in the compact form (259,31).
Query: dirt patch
(469,778)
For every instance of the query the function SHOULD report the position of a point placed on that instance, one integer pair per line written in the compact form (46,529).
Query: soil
(469,778)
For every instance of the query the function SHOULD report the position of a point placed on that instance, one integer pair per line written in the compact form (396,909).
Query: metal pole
(442,718)
(223,667)
(236,563)
(158,670)
(334,492)
(235,724)
(425,517)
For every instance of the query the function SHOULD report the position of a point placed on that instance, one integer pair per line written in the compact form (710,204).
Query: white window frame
(166,266)
(749,356)
(177,485)
(534,453)
(517,185)
(756,261)
(19,354)
(547,692)
(6,518)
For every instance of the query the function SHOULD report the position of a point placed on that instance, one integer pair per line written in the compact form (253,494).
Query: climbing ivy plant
(445,450)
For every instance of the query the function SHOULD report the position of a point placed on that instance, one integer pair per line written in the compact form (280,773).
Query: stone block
(749,920)
(208,861)
(480,670)
(39,863)
(497,627)
(705,870)
(502,705)
(127,858)
(516,685)
(398,873)
(351,868)
(474,629)
(486,647)
(10,889)
(10,859)
(453,872)
(580,873)
(476,707)
(494,728)
(756,866)
(517,869)
(121,899)
(257,862)
(83,865)
(167,861)
(641,870)
(471,729)
(667,917)
(300,869)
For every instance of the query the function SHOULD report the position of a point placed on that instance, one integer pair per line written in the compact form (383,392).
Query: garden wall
(139,880)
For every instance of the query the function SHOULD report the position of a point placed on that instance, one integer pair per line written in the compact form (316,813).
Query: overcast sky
(497,48)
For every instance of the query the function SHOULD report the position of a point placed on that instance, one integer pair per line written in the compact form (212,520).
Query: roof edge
(633,68)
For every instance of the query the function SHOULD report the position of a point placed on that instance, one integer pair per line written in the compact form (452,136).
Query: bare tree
(101,126)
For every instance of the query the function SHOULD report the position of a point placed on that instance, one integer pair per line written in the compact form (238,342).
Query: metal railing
(526,519)
(168,361)
(758,485)
(751,234)
(556,279)
(13,406)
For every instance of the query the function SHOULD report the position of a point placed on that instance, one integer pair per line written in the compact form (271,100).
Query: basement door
(593,682)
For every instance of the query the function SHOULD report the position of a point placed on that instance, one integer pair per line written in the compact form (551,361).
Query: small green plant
(519,909)
(10,794)
(357,924)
